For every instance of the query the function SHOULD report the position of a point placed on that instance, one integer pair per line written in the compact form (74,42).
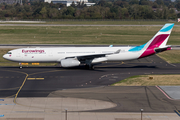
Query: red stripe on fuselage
(155,43)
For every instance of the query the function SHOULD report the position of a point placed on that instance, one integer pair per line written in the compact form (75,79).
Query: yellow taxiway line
(35,78)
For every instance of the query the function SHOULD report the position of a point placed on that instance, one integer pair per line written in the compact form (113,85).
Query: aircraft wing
(92,56)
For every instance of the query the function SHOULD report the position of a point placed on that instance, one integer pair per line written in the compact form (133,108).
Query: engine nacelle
(69,63)
(98,60)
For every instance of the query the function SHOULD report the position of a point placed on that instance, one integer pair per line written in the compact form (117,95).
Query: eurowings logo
(33,51)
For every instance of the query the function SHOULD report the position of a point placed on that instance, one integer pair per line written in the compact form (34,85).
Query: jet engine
(69,62)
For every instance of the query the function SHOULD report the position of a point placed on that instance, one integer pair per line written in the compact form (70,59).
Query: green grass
(171,56)
(111,22)
(103,22)
(125,35)
(144,80)
(126,80)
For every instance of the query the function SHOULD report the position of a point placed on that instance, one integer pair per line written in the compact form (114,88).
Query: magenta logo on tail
(155,43)
(160,39)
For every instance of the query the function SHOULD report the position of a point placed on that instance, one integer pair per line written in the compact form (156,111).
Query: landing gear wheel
(90,67)
(20,65)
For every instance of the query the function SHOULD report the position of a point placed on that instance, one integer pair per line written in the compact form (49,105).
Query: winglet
(118,51)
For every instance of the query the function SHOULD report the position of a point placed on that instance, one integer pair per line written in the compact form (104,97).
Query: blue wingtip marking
(167,27)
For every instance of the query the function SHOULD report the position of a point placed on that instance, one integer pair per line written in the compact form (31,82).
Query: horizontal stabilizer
(157,50)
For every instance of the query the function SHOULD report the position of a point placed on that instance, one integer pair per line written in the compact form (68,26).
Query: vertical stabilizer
(158,41)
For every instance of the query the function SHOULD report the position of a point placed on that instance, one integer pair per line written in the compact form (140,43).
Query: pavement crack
(110,99)
(155,95)
(117,103)
(148,98)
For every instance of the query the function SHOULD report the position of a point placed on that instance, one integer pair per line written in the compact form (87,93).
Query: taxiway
(44,81)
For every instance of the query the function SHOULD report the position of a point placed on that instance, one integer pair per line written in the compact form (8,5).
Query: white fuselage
(56,54)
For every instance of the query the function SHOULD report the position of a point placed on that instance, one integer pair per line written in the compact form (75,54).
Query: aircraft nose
(5,56)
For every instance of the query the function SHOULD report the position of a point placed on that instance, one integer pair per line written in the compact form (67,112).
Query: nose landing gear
(20,65)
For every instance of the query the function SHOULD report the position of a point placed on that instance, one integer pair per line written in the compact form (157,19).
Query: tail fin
(161,37)
(158,41)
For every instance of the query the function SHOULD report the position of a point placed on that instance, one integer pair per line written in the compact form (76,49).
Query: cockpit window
(9,53)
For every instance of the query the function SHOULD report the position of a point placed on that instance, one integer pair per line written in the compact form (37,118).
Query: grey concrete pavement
(172,91)
(54,109)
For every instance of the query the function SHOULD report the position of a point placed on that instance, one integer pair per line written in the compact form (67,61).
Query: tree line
(103,9)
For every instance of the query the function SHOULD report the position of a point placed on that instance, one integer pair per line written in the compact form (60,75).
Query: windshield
(9,53)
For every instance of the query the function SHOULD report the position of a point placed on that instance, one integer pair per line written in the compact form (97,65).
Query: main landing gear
(90,67)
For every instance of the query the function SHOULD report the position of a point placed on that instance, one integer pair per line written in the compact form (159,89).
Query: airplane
(89,56)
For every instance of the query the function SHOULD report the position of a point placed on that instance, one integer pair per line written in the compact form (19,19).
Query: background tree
(104,9)
(43,12)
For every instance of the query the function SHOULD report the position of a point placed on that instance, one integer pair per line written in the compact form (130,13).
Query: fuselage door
(18,54)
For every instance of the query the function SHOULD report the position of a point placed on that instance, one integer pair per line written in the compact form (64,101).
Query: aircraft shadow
(78,67)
